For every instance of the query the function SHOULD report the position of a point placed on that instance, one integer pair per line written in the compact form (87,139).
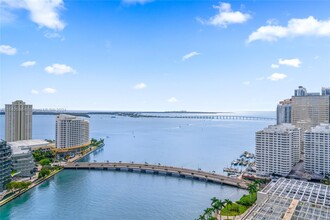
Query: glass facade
(5,164)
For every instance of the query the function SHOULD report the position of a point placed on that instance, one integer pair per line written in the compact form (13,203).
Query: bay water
(209,145)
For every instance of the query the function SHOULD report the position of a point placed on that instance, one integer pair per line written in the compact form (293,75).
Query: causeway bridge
(161,170)
(212,117)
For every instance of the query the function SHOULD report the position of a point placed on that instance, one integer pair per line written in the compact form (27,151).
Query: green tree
(40,154)
(43,172)
(228,203)
(45,162)
(202,217)
(12,186)
(209,214)
(24,185)
(217,205)
(252,188)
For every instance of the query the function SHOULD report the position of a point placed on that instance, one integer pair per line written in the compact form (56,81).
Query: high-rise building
(301,91)
(317,149)
(22,160)
(277,149)
(283,111)
(5,164)
(18,121)
(325,90)
(71,131)
(310,110)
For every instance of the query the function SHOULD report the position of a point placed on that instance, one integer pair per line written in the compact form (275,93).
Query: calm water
(206,144)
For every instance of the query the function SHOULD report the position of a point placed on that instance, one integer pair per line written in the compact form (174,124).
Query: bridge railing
(186,172)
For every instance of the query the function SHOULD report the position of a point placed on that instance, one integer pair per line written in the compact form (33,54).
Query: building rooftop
(69,117)
(292,199)
(322,128)
(304,191)
(285,127)
(29,143)
(18,150)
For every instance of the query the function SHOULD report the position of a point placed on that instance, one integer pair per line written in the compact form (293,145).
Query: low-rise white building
(34,144)
(22,161)
(277,149)
(317,149)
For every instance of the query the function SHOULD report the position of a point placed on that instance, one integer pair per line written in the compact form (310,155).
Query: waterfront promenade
(38,181)
(162,170)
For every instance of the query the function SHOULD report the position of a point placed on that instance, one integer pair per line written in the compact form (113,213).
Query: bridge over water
(161,170)
(212,117)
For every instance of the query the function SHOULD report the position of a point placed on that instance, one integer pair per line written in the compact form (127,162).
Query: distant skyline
(158,55)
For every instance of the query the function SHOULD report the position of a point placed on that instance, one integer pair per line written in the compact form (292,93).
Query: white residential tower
(277,149)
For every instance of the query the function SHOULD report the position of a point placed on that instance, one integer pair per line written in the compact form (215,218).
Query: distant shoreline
(118,113)
(37,112)
(156,114)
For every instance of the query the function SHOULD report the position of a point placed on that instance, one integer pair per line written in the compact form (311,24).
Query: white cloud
(290,62)
(6,16)
(52,35)
(190,55)
(295,28)
(8,50)
(59,69)
(35,92)
(172,100)
(140,86)
(247,83)
(49,90)
(43,12)
(277,76)
(136,1)
(272,21)
(225,16)
(28,63)
(274,66)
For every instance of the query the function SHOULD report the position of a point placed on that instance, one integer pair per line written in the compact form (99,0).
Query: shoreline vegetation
(226,208)
(46,171)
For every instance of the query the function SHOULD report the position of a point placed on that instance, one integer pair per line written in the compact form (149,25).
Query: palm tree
(252,188)
(228,202)
(258,183)
(217,205)
(208,213)
(202,217)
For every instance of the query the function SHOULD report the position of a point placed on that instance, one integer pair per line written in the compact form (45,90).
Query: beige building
(317,149)
(71,131)
(310,111)
(277,149)
(18,121)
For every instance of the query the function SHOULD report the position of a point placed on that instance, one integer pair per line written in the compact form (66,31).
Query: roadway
(161,169)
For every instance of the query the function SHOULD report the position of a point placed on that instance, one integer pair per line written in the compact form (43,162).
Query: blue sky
(162,55)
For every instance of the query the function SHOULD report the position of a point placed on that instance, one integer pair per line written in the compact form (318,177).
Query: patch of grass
(233,209)
(248,200)
(240,206)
